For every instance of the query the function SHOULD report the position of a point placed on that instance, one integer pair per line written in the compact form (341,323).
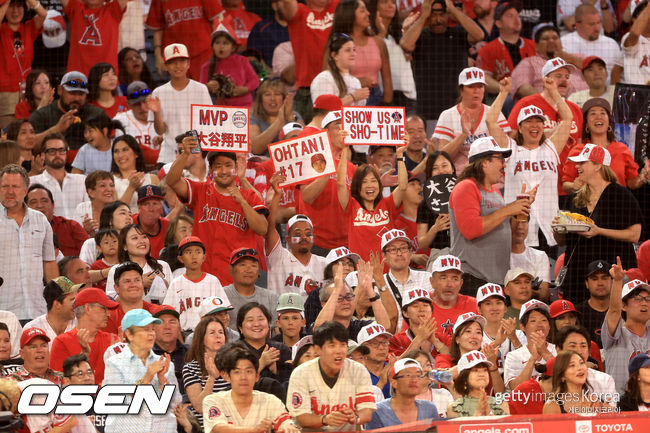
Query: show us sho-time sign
(375,126)
(221,128)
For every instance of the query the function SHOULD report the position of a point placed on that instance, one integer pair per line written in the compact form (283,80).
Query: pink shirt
(368,61)
(529,71)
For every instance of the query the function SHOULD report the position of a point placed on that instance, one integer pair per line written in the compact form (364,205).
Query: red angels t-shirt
(119,106)
(18,54)
(495,59)
(116,315)
(262,183)
(366,228)
(552,121)
(67,344)
(622,164)
(220,222)
(94,34)
(308,31)
(446,318)
(156,241)
(399,342)
(241,21)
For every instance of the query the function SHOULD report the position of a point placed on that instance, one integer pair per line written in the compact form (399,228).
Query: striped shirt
(192,375)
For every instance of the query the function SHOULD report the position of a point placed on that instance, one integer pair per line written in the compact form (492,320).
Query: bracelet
(402,159)
(322,419)
(374,298)
(353,98)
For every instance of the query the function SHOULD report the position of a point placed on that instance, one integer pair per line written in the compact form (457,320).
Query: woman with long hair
(10,153)
(134,246)
(598,129)
(571,389)
(102,90)
(200,374)
(133,68)
(336,79)
(38,93)
(272,109)
(129,171)
(535,159)
(178,228)
(352,18)
(614,225)
(22,132)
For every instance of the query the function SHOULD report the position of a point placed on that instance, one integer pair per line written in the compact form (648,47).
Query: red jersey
(241,21)
(156,241)
(495,59)
(66,344)
(402,340)
(551,122)
(366,228)
(98,265)
(94,34)
(264,171)
(623,163)
(220,221)
(116,315)
(70,234)
(446,318)
(23,110)
(308,31)
(326,213)
(119,106)
(17,54)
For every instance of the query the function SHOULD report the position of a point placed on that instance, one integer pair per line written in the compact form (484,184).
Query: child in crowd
(186,291)
(291,319)
(96,153)
(106,241)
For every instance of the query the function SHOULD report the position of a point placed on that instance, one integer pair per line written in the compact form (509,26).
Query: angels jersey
(144,133)
(185,296)
(308,392)
(291,276)
(219,408)
(636,61)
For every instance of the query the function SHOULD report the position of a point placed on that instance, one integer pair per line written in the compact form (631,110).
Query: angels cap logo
(176,50)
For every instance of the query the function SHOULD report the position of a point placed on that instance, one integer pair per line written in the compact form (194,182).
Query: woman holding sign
(368,214)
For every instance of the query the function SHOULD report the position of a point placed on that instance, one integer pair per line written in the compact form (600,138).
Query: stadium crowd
(132,256)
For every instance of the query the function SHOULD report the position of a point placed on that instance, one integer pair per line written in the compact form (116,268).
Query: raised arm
(411,36)
(386,79)
(613,315)
(41,12)
(174,178)
(402,177)
(327,313)
(492,118)
(642,22)
(474,32)
(272,237)
(364,272)
(288,8)
(341,179)
(561,133)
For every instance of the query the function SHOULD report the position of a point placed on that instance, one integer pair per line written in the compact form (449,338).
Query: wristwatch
(382,288)
(374,298)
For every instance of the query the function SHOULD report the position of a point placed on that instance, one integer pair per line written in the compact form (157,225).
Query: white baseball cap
(485,146)
(594,153)
(214,304)
(529,111)
(555,64)
(446,263)
(54,30)
(472,359)
(288,128)
(531,305)
(488,290)
(352,279)
(308,339)
(416,295)
(341,253)
(297,218)
(470,317)
(514,273)
(471,76)
(394,235)
(175,51)
(370,332)
(330,117)
(632,286)
(402,364)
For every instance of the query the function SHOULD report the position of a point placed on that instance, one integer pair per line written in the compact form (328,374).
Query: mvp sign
(221,128)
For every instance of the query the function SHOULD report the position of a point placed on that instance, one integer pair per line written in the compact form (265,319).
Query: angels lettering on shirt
(294,284)
(644,61)
(323,23)
(176,16)
(535,166)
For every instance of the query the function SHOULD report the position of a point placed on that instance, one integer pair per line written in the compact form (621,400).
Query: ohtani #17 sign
(379,126)
(221,128)
(303,158)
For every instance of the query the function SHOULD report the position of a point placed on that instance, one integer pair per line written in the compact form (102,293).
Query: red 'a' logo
(91,35)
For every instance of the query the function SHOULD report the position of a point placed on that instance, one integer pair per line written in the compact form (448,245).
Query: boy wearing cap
(149,217)
(519,289)
(290,319)
(406,381)
(59,295)
(623,339)
(593,310)
(186,291)
(35,352)
(91,308)
(178,94)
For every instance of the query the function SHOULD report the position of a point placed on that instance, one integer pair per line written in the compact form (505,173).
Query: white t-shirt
(185,296)
(42,323)
(90,159)
(144,133)
(324,84)
(84,208)
(122,184)
(582,96)
(176,112)
(604,47)
(636,61)
(603,385)
(157,290)
(288,275)
(15,330)
(534,261)
(400,69)
(516,360)
(66,197)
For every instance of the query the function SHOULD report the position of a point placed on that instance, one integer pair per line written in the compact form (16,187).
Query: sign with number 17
(304,158)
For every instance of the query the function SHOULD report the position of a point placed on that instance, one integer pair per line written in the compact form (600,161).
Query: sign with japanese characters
(436,191)
(221,128)
(378,126)
(304,158)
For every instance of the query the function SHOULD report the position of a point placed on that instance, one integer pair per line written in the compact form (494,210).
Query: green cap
(67,286)
(290,302)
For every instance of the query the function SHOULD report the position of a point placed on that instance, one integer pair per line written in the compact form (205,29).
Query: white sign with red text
(221,128)
(304,158)
(376,126)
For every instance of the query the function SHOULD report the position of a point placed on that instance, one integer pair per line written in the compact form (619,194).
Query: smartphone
(194,133)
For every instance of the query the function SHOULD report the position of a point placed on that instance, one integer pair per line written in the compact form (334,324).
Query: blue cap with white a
(138,317)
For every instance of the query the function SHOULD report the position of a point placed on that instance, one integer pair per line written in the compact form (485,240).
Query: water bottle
(442,376)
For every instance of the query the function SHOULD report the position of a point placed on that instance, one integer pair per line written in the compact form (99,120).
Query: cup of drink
(522,217)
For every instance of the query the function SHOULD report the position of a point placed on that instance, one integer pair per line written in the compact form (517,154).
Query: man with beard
(484,11)
(294,269)
(68,190)
(67,114)
(230,216)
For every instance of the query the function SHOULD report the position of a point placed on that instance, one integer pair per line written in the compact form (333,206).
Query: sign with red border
(303,159)
(221,128)
(375,126)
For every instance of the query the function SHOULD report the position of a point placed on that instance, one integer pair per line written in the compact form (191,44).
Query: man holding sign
(227,215)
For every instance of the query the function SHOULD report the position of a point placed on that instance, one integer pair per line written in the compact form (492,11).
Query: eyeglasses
(79,374)
(348,297)
(52,152)
(138,93)
(409,376)
(639,298)
(384,343)
(76,84)
(396,250)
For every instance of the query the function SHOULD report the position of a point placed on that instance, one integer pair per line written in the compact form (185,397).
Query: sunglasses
(76,84)
(244,253)
(138,93)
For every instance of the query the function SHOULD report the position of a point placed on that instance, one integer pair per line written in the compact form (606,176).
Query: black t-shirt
(617,209)
(428,217)
(283,368)
(437,61)
(592,320)
(49,115)
(534,12)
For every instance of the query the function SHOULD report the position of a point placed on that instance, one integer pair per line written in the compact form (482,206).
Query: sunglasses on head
(245,253)
(76,84)
(138,93)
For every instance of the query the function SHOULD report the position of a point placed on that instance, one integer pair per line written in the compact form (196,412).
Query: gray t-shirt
(263,296)
(620,348)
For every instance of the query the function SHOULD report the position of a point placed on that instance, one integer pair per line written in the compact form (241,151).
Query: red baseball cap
(589,60)
(328,102)
(93,295)
(560,307)
(189,241)
(30,333)
(550,363)
(166,309)
(240,253)
(594,153)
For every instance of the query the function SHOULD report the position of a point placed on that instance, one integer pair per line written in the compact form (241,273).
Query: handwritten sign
(221,128)
(378,126)
(303,158)
(436,190)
